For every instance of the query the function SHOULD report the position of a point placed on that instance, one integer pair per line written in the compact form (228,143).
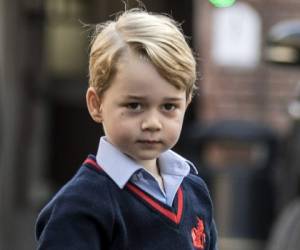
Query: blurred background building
(241,128)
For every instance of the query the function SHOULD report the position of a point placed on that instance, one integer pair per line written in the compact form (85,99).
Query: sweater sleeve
(78,217)
(204,193)
(213,228)
(213,236)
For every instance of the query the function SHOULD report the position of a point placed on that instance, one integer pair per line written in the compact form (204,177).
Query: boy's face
(141,113)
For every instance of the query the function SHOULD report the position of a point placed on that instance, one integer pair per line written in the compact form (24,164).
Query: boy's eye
(169,106)
(134,106)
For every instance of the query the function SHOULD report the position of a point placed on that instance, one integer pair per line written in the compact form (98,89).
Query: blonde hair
(156,37)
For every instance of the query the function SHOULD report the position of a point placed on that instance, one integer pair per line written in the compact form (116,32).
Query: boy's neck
(153,168)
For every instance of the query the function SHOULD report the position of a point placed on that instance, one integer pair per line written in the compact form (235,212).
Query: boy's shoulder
(86,196)
(195,184)
(195,179)
(89,187)
(88,181)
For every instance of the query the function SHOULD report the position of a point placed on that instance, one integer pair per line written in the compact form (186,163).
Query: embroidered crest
(198,235)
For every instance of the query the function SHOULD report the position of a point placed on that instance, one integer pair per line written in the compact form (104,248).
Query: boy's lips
(149,141)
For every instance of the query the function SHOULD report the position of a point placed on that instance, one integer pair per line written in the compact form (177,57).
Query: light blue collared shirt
(121,168)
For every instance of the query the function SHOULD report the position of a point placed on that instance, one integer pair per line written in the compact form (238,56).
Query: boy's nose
(151,122)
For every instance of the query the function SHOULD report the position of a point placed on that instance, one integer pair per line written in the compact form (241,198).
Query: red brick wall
(261,94)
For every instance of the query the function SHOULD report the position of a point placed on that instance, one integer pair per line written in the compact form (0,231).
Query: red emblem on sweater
(198,235)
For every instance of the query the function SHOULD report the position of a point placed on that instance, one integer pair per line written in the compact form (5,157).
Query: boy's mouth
(149,142)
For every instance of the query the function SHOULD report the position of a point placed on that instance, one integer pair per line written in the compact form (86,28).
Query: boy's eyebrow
(174,99)
(167,98)
(135,97)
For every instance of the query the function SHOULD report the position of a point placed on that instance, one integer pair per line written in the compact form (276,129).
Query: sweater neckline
(174,213)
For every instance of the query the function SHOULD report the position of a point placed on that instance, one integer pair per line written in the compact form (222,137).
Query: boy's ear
(94,104)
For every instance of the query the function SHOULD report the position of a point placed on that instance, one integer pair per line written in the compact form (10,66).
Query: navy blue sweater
(91,212)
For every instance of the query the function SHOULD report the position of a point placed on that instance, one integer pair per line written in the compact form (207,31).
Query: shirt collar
(172,163)
(120,167)
(117,165)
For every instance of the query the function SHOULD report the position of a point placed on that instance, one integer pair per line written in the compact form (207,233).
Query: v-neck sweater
(92,212)
(121,169)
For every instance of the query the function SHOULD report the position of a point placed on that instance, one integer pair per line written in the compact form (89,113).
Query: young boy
(136,193)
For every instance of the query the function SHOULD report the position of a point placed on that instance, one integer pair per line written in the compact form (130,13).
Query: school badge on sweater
(198,235)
